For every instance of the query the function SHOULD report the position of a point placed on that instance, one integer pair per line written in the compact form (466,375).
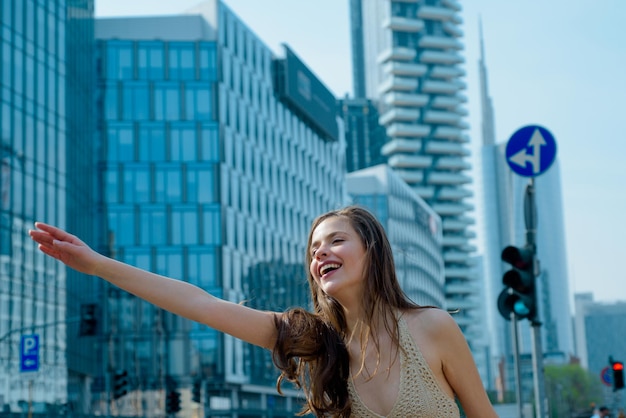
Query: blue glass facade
(39,181)
(413,228)
(210,178)
(160,174)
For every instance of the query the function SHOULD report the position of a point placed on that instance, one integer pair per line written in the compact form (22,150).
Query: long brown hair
(382,297)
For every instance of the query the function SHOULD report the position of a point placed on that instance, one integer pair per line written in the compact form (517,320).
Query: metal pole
(518,374)
(530,219)
(538,378)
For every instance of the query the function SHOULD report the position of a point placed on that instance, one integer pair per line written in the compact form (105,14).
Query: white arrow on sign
(536,141)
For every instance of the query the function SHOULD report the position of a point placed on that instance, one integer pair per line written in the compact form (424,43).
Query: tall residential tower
(407,57)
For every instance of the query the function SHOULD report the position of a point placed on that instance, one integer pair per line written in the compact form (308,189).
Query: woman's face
(337,259)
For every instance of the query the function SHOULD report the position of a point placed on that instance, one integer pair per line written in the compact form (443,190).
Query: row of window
(162,142)
(158,60)
(158,100)
(165,225)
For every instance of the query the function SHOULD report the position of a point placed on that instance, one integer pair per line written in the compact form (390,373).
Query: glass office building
(39,181)
(214,166)
(413,229)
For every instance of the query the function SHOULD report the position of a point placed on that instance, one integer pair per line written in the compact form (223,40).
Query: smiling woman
(366,350)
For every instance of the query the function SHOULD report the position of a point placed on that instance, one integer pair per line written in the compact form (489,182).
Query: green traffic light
(520,309)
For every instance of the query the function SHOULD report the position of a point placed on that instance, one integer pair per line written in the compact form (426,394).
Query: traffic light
(518,297)
(88,320)
(196,391)
(618,375)
(172,402)
(120,384)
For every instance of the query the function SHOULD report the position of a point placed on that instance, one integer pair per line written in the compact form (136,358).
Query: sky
(559,64)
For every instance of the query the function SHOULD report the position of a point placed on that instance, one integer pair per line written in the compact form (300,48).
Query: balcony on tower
(401,145)
(452,30)
(405,99)
(439,116)
(407,130)
(398,53)
(410,176)
(448,102)
(452,163)
(441,87)
(457,224)
(439,42)
(403,24)
(409,161)
(455,257)
(446,148)
(443,178)
(453,240)
(452,4)
(441,57)
(448,132)
(399,114)
(435,13)
(404,68)
(439,71)
(398,84)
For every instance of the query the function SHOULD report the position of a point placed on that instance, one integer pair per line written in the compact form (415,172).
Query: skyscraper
(407,57)
(504,225)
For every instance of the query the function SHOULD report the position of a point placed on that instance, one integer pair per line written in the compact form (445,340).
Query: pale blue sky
(560,64)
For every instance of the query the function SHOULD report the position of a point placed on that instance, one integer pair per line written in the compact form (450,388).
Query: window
(136,105)
(150,62)
(152,142)
(198,101)
(166,101)
(120,143)
(119,60)
(184,225)
(181,61)
(183,144)
(152,226)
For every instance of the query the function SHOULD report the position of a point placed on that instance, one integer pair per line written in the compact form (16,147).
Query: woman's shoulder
(429,322)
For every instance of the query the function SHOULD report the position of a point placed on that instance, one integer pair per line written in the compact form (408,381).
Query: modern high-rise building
(218,155)
(504,224)
(413,229)
(365,136)
(407,56)
(46,127)
(600,328)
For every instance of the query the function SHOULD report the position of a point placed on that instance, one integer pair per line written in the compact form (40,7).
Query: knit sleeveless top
(419,394)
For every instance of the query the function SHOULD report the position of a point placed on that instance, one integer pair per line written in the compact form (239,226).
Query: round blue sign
(531,150)
(606,375)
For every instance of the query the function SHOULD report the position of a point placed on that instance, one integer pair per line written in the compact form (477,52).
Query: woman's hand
(65,247)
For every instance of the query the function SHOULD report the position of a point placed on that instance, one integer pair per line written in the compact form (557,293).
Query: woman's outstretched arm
(181,298)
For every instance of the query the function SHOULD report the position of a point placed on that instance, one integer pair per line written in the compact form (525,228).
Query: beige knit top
(419,395)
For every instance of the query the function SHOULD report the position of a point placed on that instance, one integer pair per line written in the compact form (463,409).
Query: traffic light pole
(518,373)
(530,219)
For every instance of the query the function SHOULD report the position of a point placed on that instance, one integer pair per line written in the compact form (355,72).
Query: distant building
(600,329)
(413,229)
(218,157)
(502,195)
(365,136)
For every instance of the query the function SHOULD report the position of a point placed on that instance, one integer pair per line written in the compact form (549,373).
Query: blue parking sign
(29,353)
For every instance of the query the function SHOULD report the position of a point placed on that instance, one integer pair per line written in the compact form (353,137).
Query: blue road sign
(29,353)
(530,151)
(606,375)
